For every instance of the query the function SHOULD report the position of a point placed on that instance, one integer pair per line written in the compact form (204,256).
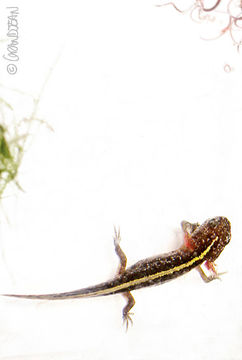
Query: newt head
(216,230)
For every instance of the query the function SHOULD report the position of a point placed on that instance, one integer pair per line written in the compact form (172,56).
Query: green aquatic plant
(18,124)
(10,158)
(11,149)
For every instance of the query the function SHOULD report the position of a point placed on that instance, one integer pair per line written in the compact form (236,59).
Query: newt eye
(227,239)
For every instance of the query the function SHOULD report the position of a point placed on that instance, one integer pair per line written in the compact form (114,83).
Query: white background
(147,132)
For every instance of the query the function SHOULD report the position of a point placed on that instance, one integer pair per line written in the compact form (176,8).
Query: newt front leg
(211,267)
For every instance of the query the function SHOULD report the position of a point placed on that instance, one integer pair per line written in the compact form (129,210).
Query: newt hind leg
(123,261)
(126,314)
(119,252)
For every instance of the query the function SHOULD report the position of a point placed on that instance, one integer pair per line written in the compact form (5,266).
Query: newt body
(202,243)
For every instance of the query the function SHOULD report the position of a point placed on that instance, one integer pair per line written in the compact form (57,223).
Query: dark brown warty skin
(206,242)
